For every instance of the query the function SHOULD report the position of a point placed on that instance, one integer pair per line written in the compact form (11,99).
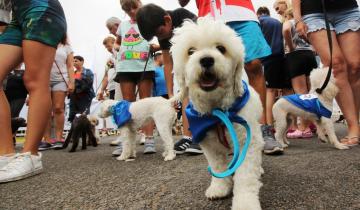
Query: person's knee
(32,83)
(339,65)
(354,71)
(58,110)
(254,69)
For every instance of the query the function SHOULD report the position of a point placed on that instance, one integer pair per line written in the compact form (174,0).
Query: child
(130,64)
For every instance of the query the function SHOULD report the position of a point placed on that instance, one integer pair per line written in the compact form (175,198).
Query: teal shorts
(38,20)
(255,44)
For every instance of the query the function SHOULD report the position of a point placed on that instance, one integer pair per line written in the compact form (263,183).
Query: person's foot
(44,146)
(350,141)
(297,134)
(58,145)
(194,149)
(182,145)
(307,133)
(5,159)
(116,142)
(118,150)
(149,146)
(21,166)
(271,147)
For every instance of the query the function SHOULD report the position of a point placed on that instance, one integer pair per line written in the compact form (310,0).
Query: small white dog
(208,64)
(159,109)
(283,107)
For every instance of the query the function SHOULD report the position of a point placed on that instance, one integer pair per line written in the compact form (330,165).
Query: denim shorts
(340,21)
(37,20)
(252,38)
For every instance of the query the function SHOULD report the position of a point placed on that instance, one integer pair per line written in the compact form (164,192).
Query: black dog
(83,127)
(16,123)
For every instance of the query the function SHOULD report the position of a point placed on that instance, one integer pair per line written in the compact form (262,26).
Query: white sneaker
(116,142)
(21,166)
(5,159)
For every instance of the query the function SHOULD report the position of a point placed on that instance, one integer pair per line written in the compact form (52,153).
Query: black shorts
(300,62)
(275,72)
(134,77)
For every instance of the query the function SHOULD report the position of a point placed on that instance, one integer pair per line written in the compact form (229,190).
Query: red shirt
(230,10)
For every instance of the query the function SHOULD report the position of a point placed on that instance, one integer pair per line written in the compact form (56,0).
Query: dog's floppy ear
(238,88)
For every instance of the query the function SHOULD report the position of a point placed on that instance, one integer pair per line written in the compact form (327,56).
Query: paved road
(311,175)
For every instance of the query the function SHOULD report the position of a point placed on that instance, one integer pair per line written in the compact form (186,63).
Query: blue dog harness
(120,113)
(309,103)
(200,124)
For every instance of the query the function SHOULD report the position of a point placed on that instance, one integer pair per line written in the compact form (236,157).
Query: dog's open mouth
(208,81)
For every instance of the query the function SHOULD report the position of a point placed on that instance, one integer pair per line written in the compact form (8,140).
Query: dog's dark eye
(191,51)
(221,49)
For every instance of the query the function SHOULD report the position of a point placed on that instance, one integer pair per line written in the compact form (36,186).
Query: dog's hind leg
(216,155)
(329,129)
(92,138)
(247,177)
(83,140)
(165,130)
(76,138)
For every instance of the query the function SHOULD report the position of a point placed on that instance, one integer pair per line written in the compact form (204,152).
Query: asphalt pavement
(310,175)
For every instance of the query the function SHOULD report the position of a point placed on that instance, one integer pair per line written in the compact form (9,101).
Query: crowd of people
(280,54)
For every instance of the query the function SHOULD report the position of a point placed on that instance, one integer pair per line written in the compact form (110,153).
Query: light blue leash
(237,159)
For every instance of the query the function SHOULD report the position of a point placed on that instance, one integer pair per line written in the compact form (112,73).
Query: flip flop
(350,141)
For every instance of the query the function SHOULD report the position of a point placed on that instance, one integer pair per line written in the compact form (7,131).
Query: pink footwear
(307,133)
(294,135)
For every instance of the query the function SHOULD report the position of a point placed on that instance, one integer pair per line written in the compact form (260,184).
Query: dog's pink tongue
(207,83)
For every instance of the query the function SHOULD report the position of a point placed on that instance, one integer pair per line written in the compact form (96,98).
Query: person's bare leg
(349,43)
(257,81)
(345,98)
(186,131)
(145,88)
(270,100)
(58,99)
(10,56)
(47,132)
(38,60)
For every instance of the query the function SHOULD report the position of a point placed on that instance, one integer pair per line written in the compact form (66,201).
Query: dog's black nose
(207,62)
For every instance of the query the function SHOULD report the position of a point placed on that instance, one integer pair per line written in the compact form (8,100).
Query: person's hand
(301,29)
(100,96)
(154,47)
(71,87)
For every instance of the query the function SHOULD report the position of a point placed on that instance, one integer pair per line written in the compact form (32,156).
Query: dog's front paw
(323,139)
(123,157)
(218,190)
(169,155)
(284,145)
(341,146)
(246,201)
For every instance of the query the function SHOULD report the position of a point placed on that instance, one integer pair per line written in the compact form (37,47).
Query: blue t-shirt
(160,82)
(310,103)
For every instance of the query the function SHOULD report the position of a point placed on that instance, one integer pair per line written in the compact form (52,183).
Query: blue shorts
(253,39)
(340,21)
(40,20)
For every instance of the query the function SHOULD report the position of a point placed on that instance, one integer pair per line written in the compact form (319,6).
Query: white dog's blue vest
(309,103)
(120,113)
(200,124)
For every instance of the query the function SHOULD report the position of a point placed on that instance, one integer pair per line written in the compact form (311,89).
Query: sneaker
(294,135)
(307,133)
(44,146)
(5,159)
(194,149)
(142,139)
(149,146)
(21,166)
(117,151)
(182,145)
(271,146)
(116,142)
(58,145)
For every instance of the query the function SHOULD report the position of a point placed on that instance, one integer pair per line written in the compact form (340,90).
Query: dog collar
(120,113)
(309,103)
(200,124)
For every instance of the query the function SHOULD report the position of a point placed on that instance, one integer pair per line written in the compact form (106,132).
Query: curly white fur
(211,39)
(282,108)
(158,109)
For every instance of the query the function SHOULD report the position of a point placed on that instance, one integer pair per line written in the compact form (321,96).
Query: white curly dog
(158,109)
(208,64)
(283,108)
